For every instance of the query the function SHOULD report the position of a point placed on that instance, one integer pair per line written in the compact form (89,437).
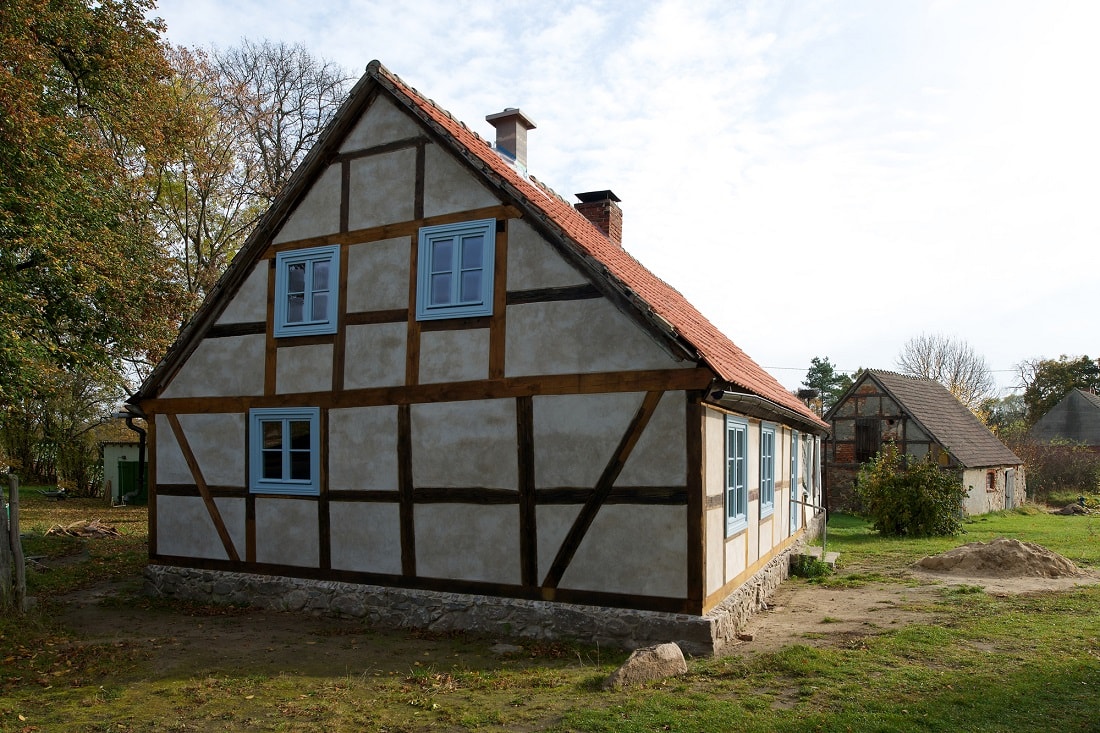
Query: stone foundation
(400,608)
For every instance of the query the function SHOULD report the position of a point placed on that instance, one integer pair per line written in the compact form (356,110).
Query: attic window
(306,291)
(455,270)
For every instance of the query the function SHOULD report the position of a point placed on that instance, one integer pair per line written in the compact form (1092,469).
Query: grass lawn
(975,661)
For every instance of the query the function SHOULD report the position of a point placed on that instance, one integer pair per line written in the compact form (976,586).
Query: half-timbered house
(428,376)
(923,420)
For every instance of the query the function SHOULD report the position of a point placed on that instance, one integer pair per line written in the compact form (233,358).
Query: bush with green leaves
(908,497)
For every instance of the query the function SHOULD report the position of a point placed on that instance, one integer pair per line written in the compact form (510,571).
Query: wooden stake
(17,545)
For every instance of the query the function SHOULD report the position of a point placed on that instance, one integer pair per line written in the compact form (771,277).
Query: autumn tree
(951,362)
(246,118)
(829,383)
(1047,381)
(82,285)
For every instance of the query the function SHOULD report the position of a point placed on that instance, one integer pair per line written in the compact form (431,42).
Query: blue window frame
(455,270)
(767,470)
(306,291)
(737,492)
(284,450)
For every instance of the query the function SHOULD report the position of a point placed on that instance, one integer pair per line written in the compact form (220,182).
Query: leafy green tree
(1004,415)
(905,497)
(1047,381)
(829,383)
(82,286)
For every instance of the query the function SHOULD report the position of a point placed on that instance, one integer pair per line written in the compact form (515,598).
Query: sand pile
(1001,558)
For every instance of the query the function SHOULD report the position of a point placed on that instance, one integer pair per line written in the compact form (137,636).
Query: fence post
(17,545)
(6,590)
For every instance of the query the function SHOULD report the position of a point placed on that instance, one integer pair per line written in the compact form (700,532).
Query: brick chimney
(599,207)
(512,126)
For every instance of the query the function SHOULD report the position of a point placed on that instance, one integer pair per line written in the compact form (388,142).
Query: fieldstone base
(511,617)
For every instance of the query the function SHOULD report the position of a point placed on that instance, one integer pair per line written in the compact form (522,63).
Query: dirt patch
(814,615)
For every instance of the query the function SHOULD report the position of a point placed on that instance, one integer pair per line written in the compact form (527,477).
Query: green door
(128,483)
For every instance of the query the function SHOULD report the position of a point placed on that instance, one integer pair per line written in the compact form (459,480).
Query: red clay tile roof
(728,361)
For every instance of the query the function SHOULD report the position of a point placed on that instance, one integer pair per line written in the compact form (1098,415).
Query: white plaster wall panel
(467,542)
(249,303)
(553,522)
(365,536)
(362,448)
(382,189)
(318,213)
(454,356)
(660,457)
(633,549)
(382,123)
(768,534)
(533,262)
(222,367)
(378,275)
(374,355)
(576,435)
(171,465)
(714,452)
(978,500)
(304,369)
(449,187)
(578,336)
(456,444)
(218,444)
(716,553)
(185,529)
(287,532)
(736,555)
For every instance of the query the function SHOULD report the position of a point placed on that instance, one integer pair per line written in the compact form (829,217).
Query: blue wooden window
(767,470)
(284,451)
(737,492)
(455,270)
(306,291)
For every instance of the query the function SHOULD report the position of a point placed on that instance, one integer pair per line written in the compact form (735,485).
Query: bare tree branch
(951,362)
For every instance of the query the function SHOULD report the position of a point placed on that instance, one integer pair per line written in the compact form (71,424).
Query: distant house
(431,391)
(922,419)
(1075,418)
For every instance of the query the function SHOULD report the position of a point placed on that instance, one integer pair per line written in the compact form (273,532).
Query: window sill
(736,527)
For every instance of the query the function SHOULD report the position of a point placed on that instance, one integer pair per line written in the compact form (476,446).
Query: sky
(820,178)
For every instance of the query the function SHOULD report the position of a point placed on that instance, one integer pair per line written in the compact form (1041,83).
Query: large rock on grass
(648,664)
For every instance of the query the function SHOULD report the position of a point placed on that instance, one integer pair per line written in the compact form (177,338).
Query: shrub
(805,566)
(1058,468)
(906,497)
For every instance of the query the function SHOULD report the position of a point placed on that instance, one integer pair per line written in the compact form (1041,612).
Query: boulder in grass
(648,664)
